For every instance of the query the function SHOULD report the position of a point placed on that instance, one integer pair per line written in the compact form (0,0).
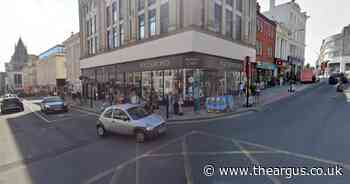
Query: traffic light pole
(247,70)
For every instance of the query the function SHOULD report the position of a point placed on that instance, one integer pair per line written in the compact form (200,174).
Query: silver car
(130,120)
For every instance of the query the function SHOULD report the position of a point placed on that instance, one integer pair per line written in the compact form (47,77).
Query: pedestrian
(241,89)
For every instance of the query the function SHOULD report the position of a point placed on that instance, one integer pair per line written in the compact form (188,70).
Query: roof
(124,106)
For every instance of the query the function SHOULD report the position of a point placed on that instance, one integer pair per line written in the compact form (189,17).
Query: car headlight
(149,128)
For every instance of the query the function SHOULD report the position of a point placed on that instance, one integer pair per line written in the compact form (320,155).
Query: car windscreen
(137,113)
(11,101)
(50,100)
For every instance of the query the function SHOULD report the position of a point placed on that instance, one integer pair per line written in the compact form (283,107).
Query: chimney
(272,4)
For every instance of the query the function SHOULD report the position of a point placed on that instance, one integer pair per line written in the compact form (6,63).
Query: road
(311,129)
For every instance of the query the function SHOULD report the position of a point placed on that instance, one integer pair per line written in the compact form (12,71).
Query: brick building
(265,69)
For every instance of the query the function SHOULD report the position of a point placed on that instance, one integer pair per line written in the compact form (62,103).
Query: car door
(121,122)
(107,120)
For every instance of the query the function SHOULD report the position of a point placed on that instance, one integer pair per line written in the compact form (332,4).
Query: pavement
(268,96)
(307,130)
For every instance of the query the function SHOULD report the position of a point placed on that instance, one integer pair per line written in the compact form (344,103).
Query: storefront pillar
(196,91)
(184,83)
(141,88)
(163,84)
(124,84)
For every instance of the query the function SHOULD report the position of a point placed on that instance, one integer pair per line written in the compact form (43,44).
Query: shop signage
(190,60)
(155,64)
(266,66)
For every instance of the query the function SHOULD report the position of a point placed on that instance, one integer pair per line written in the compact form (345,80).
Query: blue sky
(45,23)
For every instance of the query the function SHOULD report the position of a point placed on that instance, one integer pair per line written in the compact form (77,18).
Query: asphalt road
(311,129)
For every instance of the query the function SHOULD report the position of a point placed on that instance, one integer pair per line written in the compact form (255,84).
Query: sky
(41,24)
(44,23)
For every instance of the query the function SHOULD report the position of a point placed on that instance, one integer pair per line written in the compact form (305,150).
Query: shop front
(266,74)
(189,77)
(296,65)
(283,70)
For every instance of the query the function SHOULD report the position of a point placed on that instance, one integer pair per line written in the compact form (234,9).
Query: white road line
(37,114)
(211,153)
(344,165)
(114,170)
(209,120)
(254,161)
(187,162)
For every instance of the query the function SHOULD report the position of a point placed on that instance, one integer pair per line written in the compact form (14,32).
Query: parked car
(333,80)
(343,78)
(130,120)
(53,104)
(11,104)
(340,87)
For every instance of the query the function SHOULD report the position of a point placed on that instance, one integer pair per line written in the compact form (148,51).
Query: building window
(108,16)
(151,2)
(121,10)
(121,34)
(269,52)
(141,5)
(115,38)
(238,27)
(229,23)
(164,18)
(94,25)
(239,5)
(259,26)
(259,48)
(141,27)
(217,17)
(109,40)
(229,2)
(152,22)
(114,12)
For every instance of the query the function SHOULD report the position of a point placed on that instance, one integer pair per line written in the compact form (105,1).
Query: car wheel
(101,131)
(140,136)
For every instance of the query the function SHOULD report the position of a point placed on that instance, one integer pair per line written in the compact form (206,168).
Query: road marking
(344,165)
(254,161)
(37,114)
(209,120)
(210,153)
(86,112)
(187,162)
(114,170)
